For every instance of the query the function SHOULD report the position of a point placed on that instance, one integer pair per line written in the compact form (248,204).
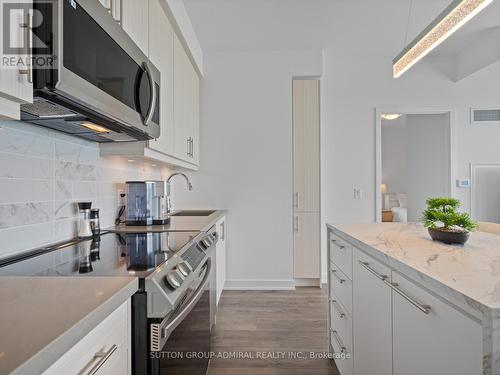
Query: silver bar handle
(152,93)
(188,147)
(103,357)
(28,25)
(341,280)
(223,230)
(343,348)
(426,309)
(296,224)
(191,140)
(366,266)
(337,307)
(296,200)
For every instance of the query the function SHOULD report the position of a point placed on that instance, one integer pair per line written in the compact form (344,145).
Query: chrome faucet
(169,198)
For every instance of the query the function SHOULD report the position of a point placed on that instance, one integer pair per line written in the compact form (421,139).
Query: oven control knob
(173,279)
(184,269)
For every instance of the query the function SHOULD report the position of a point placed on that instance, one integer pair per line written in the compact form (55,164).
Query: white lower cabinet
(443,342)
(399,327)
(221,257)
(372,326)
(106,350)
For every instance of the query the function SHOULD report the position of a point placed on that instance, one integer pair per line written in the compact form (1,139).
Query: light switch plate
(358,193)
(464,183)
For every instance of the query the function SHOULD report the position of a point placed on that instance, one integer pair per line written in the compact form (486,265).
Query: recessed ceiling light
(131,160)
(153,165)
(450,20)
(390,116)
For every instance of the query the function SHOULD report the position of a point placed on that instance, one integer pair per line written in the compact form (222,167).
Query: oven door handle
(173,323)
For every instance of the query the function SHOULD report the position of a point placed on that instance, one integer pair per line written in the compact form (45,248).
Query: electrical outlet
(358,193)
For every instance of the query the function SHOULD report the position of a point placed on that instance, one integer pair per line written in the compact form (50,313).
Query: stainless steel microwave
(99,85)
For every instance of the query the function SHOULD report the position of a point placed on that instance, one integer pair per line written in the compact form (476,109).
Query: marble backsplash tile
(43,174)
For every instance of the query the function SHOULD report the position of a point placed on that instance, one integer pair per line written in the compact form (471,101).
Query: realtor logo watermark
(21,23)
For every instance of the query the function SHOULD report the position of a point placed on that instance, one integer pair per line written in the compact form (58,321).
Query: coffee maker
(139,206)
(160,211)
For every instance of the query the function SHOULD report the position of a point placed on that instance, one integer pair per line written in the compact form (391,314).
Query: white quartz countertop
(43,317)
(473,270)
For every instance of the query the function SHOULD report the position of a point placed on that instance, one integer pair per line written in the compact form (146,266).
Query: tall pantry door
(306,178)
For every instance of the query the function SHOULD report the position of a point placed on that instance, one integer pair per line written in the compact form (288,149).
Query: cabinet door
(306,160)
(135,18)
(183,88)
(221,257)
(14,80)
(161,43)
(372,325)
(444,341)
(306,237)
(195,132)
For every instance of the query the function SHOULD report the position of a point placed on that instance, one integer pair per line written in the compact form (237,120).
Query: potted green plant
(445,223)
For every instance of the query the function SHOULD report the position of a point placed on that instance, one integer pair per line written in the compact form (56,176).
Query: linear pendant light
(457,14)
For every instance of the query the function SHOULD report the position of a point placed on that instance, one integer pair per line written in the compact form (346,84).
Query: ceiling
(350,27)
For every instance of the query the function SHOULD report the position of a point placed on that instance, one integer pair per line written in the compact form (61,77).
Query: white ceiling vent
(485,116)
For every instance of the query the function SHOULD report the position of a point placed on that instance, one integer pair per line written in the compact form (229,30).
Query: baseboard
(307,282)
(259,285)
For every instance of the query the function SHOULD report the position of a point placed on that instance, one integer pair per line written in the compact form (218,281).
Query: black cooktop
(110,254)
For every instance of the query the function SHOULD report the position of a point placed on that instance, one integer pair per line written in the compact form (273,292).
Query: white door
(306,245)
(134,20)
(161,43)
(442,342)
(372,324)
(16,78)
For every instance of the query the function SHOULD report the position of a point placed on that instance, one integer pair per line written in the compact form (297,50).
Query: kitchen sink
(193,213)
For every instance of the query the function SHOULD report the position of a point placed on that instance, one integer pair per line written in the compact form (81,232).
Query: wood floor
(272,321)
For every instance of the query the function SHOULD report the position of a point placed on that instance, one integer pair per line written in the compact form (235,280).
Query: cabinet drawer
(106,347)
(341,287)
(341,255)
(343,354)
(341,322)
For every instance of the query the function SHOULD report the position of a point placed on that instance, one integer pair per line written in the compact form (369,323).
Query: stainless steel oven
(179,335)
(100,86)
(181,344)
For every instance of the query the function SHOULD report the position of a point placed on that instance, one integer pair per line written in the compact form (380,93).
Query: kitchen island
(410,303)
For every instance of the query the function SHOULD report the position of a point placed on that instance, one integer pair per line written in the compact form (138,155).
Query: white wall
(43,173)
(246,159)
(427,172)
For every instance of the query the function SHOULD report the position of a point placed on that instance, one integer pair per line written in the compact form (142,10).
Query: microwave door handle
(173,323)
(152,94)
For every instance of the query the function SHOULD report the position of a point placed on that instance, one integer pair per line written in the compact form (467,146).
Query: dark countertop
(177,223)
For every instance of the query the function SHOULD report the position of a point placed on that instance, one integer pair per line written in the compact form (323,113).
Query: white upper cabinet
(186,106)
(147,23)
(135,20)
(16,81)
(161,43)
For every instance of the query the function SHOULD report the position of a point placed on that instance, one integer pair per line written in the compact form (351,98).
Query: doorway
(414,161)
